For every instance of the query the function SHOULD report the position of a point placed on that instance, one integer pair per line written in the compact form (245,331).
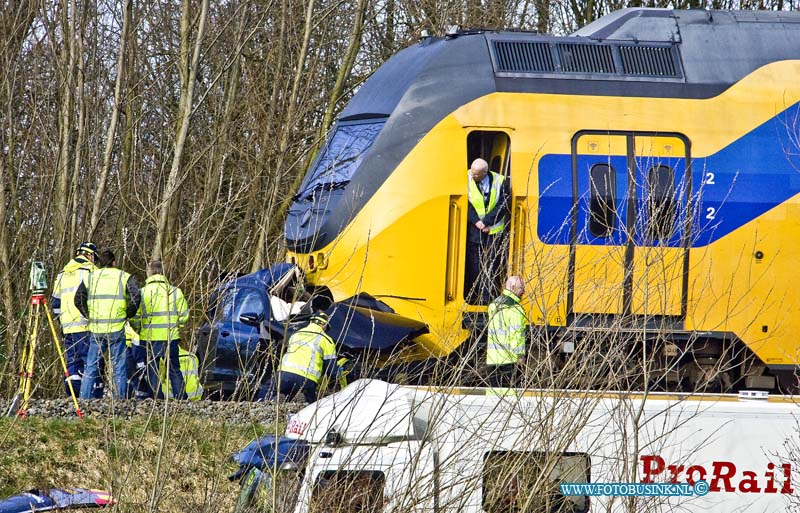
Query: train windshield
(340,157)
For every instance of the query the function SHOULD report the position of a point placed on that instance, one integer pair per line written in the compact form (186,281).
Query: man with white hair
(505,340)
(487,217)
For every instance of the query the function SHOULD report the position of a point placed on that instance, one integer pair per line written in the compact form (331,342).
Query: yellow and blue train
(653,159)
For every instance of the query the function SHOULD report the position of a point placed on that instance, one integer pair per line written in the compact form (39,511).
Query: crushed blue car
(251,317)
(269,464)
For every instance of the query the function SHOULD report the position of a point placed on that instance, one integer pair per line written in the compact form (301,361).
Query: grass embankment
(122,456)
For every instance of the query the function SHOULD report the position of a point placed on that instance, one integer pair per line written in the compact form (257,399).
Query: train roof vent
(523,57)
(586,58)
(658,61)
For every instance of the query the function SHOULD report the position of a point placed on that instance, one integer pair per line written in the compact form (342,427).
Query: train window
(348,492)
(493,147)
(514,481)
(660,202)
(338,160)
(602,204)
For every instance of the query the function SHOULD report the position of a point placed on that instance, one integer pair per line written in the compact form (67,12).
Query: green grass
(121,456)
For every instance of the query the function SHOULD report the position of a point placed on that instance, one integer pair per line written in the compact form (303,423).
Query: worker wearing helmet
(310,354)
(73,324)
(505,340)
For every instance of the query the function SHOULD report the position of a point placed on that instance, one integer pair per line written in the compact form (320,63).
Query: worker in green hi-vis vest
(505,338)
(163,312)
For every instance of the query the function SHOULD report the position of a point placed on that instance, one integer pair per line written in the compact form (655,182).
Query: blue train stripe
(730,188)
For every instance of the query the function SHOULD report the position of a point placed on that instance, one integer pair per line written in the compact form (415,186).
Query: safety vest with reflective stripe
(476,200)
(306,351)
(107,300)
(67,282)
(131,337)
(162,311)
(506,332)
(191,377)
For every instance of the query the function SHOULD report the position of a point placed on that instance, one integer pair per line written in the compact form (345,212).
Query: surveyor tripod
(38,303)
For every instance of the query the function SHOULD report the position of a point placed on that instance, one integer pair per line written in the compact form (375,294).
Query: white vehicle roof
(375,412)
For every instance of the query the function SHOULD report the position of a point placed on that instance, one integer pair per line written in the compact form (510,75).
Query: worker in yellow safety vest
(487,217)
(109,297)
(161,315)
(310,354)
(505,337)
(74,325)
(190,369)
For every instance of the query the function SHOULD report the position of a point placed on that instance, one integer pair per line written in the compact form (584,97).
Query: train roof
(660,53)
(690,53)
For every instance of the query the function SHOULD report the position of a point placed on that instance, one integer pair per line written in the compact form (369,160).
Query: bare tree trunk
(212,181)
(15,24)
(65,118)
(286,130)
(5,270)
(184,116)
(542,16)
(128,144)
(388,38)
(112,126)
(353,47)
(252,211)
(81,127)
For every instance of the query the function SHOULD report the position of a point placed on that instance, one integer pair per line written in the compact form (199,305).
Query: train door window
(348,492)
(661,203)
(514,482)
(493,147)
(602,205)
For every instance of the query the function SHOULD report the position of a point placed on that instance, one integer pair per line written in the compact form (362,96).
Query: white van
(381,447)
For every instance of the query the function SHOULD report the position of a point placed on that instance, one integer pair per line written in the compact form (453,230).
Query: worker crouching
(310,354)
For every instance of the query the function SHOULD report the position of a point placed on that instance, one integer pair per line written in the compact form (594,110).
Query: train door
(494,146)
(660,236)
(600,179)
(629,235)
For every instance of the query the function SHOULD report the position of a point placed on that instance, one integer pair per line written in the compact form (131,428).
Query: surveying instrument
(38,284)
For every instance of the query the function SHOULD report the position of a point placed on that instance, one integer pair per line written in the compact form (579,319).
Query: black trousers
(290,385)
(484,269)
(502,376)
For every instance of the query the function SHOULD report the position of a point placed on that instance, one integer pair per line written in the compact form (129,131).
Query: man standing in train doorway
(487,236)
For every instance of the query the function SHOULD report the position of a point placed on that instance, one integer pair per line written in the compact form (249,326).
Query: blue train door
(629,230)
